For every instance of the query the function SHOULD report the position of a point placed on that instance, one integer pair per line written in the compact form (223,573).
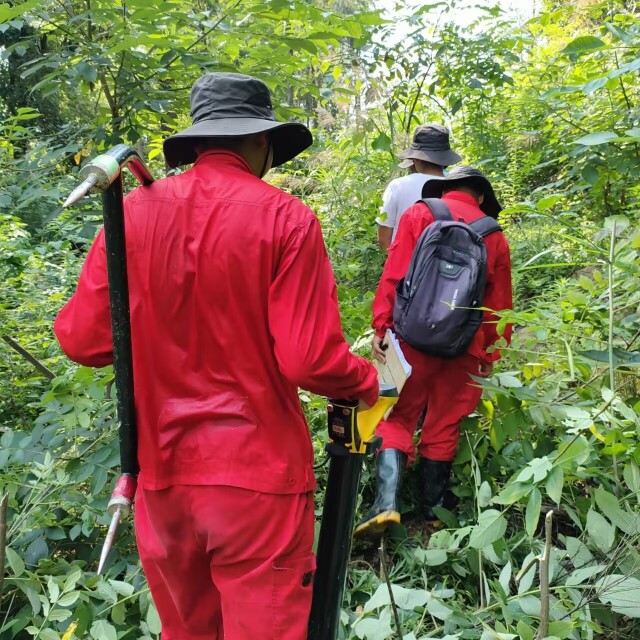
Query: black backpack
(437,307)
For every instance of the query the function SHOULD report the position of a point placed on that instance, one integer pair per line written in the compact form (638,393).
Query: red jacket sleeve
(498,297)
(305,323)
(83,327)
(397,264)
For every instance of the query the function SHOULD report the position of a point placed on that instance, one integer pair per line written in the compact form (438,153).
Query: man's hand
(485,369)
(378,349)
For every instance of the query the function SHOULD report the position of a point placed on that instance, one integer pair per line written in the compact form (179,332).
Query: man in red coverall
(233,307)
(442,385)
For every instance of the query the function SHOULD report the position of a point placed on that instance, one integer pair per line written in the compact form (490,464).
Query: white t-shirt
(399,195)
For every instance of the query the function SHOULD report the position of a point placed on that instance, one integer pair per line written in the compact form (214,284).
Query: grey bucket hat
(465,175)
(431,144)
(232,105)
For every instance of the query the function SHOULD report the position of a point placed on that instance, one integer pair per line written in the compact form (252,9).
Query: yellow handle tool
(352,437)
(355,430)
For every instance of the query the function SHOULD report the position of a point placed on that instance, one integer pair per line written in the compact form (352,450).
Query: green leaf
(590,174)
(609,505)
(68,599)
(59,615)
(631,475)
(374,628)
(490,634)
(593,139)
(548,201)
(72,579)
(620,357)
(484,495)
(621,592)
(525,631)
(153,619)
(583,44)
(407,599)
(533,511)
(537,470)
(594,85)
(619,33)
(491,527)
(579,576)
(15,562)
(560,629)
(122,588)
(382,143)
(512,492)
(119,613)
(8,12)
(36,551)
(102,630)
(554,484)
(505,578)
(54,589)
(600,531)
(438,609)
(431,557)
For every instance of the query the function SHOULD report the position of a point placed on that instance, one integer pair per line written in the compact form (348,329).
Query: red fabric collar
(225,157)
(461,197)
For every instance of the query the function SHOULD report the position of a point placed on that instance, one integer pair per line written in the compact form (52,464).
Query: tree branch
(543,630)
(31,358)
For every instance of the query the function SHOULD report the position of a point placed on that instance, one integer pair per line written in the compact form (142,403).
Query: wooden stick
(47,373)
(4,504)
(383,567)
(543,631)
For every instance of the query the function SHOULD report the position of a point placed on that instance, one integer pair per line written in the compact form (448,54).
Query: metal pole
(334,543)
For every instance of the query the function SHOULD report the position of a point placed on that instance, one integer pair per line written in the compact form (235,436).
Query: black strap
(438,208)
(484,226)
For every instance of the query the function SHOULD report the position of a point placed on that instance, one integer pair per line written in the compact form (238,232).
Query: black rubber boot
(434,485)
(390,465)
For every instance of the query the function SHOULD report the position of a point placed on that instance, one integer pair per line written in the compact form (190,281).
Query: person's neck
(432,171)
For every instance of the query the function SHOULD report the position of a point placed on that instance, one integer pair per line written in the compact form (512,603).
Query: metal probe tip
(81,190)
(111,534)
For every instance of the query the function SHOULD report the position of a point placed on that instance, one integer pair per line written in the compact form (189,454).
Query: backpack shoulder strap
(438,208)
(484,226)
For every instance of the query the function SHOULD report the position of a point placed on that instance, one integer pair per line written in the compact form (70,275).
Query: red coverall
(233,306)
(442,385)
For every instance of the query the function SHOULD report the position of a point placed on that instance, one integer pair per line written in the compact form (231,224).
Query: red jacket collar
(223,157)
(460,196)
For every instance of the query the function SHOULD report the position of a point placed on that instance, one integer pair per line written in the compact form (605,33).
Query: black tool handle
(114,236)
(334,542)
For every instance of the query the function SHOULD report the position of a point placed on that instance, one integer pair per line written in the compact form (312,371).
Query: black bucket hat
(232,105)
(465,175)
(431,144)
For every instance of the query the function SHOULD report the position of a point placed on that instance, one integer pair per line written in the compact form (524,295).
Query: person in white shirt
(429,153)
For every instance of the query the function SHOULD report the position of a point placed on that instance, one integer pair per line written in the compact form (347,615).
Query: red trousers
(445,388)
(223,562)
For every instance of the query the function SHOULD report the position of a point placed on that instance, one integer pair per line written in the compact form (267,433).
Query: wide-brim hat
(233,105)
(431,144)
(469,176)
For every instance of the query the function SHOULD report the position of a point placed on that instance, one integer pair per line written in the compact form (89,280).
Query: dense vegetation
(548,109)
